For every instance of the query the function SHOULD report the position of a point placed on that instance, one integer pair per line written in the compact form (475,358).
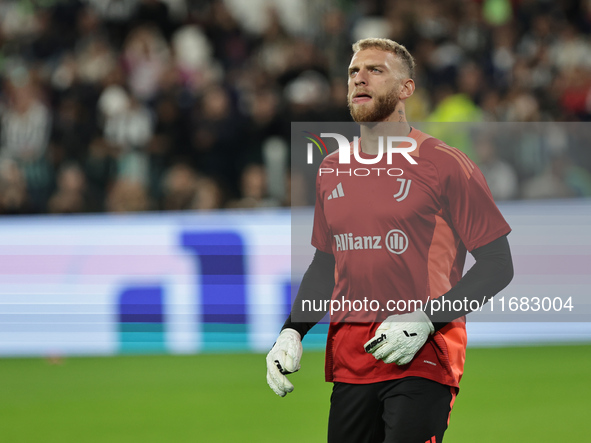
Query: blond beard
(383,107)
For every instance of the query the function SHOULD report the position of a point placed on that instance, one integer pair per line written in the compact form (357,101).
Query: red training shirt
(400,236)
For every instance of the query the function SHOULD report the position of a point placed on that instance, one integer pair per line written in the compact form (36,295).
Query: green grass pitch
(533,394)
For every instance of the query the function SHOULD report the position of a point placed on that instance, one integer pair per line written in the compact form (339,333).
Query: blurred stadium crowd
(134,105)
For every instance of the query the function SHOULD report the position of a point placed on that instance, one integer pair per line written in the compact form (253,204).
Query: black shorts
(409,410)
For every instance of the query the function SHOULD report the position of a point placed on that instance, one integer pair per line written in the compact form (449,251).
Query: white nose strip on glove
(400,337)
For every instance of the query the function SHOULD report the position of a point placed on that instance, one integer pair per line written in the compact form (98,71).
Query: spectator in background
(571,49)
(70,196)
(500,175)
(128,124)
(522,106)
(100,167)
(94,59)
(159,159)
(127,196)
(145,56)
(262,122)
(455,107)
(172,114)
(297,191)
(273,48)
(470,81)
(72,131)
(178,188)
(26,121)
(128,127)
(89,24)
(18,23)
(579,180)
(217,138)
(209,195)
(13,189)
(307,96)
(25,130)
(334,41)
(537,38)
(337,110)
(573,90)
(551,183)
(154,12)
(253,189)
(231,45)
(473,36)
(503,55)
(116,16)
(194,65)
(492,107)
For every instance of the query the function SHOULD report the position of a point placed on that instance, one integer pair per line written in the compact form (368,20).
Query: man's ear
(407,89)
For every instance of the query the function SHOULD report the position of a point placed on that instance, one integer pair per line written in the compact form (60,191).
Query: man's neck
(394,125)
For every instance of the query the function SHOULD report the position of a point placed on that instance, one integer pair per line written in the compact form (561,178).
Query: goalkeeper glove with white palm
(400,337)
(284,358)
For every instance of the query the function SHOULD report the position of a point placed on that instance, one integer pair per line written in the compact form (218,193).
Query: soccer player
(397,239)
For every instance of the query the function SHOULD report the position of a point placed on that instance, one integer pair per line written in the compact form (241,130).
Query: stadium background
(179,111)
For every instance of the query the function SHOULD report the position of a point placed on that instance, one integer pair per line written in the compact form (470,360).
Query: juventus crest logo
(404,188)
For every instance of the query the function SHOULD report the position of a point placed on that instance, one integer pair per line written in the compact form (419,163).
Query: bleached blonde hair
(388,45)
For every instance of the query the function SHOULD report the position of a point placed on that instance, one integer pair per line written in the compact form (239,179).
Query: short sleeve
(321,238)
(474,214)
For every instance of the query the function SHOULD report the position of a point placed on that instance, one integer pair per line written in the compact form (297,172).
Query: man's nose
(361,78)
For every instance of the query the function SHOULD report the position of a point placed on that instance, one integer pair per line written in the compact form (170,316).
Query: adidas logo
(337,192)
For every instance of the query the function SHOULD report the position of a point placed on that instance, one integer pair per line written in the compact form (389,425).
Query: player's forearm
(317,285)
(492,272)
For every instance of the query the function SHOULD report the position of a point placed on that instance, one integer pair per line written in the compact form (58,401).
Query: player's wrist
(436,320)
(290,332)
(422,315)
